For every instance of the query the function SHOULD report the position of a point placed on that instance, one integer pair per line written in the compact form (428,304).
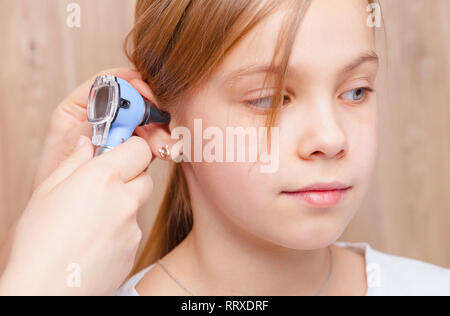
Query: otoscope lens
(101,102)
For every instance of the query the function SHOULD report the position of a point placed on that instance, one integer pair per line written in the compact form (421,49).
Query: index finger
(80,95)
(72,110)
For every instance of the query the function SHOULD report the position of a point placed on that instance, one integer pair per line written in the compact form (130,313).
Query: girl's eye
(265,103)
(357,95)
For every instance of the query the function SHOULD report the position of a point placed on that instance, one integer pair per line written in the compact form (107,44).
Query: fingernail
(80,143)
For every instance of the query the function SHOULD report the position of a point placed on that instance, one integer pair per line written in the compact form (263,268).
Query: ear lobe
(156,136)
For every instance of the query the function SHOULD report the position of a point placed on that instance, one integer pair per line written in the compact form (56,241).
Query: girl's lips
(320,198)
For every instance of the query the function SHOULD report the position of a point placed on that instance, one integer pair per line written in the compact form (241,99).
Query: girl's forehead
(332,33)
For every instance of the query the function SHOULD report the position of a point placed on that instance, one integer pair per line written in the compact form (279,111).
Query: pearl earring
(164,151)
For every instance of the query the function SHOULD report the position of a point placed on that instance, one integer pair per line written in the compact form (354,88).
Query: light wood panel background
(407,211)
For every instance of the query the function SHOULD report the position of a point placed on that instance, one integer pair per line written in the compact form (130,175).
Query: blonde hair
(176,46)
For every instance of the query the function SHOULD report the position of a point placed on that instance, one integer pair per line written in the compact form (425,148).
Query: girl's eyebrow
(366,57)
(252,69)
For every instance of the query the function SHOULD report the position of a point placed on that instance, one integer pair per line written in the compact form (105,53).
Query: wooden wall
(407,211)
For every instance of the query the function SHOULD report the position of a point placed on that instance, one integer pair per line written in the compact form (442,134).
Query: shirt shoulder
(129,287)
(389,275)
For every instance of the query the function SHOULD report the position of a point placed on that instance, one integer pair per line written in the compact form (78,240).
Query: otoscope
(115,109)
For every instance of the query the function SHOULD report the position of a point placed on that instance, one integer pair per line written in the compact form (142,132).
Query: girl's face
(328,129)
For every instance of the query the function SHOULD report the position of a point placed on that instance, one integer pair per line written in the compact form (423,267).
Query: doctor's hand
(79,234)
(69,121)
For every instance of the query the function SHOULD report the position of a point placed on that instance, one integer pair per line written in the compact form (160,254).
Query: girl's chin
(311,233)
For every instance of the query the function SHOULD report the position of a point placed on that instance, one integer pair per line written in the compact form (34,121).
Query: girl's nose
(324,137)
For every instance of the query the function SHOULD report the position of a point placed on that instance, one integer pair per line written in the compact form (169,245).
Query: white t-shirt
(386,275)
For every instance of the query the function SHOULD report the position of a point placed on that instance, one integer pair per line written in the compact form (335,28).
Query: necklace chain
(175,279)
(322,288)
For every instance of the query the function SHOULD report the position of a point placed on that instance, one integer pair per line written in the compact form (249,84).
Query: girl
(226,228)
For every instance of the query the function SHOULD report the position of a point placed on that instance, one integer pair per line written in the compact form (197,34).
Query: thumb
(82,153)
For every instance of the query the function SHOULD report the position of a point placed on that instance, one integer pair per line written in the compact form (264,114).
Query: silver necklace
(175,279)
(192,294)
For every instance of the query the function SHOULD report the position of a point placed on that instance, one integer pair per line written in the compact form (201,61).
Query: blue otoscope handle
(127,119)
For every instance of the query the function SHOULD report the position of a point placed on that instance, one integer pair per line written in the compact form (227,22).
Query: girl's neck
(233,263)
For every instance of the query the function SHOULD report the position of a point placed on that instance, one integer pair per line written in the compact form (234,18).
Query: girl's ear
(157,137)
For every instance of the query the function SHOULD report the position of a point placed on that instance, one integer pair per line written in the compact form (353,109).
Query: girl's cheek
(232,185)
(363,141)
